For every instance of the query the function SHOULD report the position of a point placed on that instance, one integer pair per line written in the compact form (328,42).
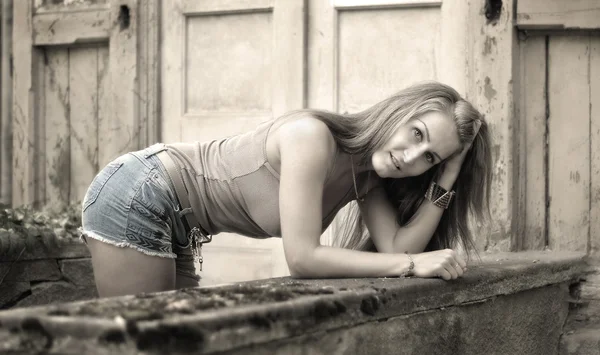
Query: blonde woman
(417,163)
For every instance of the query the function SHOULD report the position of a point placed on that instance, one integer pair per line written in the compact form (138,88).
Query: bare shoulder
(308,128)
(303,135)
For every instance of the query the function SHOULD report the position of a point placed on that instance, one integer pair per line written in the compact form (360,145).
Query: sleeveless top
(233,188)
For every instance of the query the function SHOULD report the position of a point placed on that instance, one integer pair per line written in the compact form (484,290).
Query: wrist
(406,265)
(448,178)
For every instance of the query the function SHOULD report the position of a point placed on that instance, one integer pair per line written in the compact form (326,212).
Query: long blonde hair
(363,133)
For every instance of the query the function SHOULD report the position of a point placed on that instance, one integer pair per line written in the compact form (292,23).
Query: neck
(358,166)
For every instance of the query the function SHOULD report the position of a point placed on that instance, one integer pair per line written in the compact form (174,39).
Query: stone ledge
(14,247)
(235,316)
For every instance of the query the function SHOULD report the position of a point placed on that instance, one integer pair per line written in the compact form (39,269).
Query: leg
(123,271)
(185,269)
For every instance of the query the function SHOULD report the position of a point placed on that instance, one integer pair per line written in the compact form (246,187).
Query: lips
(395,161)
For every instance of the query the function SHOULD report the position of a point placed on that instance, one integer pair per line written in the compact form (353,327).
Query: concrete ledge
(507,303)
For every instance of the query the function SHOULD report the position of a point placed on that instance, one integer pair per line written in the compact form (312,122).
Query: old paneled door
(559,111)
(76,92)
(227,66)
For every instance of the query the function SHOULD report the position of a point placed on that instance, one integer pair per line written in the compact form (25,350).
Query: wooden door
(227,66)
(75,99)
(559,125)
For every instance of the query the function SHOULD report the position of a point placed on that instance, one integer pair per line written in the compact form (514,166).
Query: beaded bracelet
(409,272)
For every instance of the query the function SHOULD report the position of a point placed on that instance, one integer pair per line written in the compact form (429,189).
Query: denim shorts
(132,203)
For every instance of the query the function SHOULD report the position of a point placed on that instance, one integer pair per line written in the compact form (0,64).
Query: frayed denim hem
(93,235)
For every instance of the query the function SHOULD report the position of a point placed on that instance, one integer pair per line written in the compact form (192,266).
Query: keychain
(197,239)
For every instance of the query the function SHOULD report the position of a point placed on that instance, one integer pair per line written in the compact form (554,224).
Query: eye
(417,133)
(429,158)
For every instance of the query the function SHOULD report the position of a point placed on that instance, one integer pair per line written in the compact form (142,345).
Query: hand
(446,264)
(453,164)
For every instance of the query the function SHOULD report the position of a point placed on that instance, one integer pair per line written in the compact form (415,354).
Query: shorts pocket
(99,182)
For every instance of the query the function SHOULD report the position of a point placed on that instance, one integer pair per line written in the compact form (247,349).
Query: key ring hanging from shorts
(197,239)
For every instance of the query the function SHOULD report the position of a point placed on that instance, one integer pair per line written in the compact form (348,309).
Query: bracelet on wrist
(439,196)
(409,272)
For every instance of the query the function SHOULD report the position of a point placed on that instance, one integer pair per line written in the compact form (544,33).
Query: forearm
(325,261)
(414,237)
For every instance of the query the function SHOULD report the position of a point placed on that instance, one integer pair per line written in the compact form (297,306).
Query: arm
(380,219)
(307,150)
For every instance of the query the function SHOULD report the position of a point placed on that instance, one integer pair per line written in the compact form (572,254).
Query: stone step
(582,341)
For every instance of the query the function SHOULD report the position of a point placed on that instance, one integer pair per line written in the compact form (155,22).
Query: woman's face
(417,146)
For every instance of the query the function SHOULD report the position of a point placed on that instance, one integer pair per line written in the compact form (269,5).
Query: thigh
(123,271)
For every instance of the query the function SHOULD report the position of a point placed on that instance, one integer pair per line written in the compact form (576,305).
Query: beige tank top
(233,188)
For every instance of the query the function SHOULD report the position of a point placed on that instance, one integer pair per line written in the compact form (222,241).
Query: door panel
(75,99)
(559,132)
(382,51)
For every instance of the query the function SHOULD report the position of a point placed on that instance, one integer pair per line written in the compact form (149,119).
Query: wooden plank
(56,115)
(451,59)
(322,55)
(70,27)
(595,147)
(149,70)
(39,138)
(370,4)
(490,79)
(194,7)
(6,103)
(83,87)
(288,54)
(45,6)
(105,122)
(532,103)
(551,14)
(23,108)
(569,137)
(171,71)
(123,121)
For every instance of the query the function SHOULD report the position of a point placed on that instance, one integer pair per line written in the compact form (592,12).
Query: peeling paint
(490,42)
(489,91)
(575,176)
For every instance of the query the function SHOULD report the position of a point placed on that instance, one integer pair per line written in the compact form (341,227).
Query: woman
(418,163)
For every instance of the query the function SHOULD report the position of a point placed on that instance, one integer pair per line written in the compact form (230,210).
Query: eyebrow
(428,140)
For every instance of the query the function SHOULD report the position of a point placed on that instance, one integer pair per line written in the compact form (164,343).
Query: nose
(411,155)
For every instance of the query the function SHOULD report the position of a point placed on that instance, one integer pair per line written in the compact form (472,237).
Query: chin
(381,167)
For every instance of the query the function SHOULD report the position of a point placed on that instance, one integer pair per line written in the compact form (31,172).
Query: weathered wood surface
(193,7)
(364,76)
(6,13)
(595,146)
(122,124)
(569,139)
(57,116)
(149,71)
(83,103)
(77,107)
(558,14)
(288,67)
(490,56)
(369,4)
(23,108)
(68,27)
(533,170)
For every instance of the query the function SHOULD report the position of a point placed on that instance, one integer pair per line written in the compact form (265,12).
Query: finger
(444,274)
(451,270)
(460,261)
